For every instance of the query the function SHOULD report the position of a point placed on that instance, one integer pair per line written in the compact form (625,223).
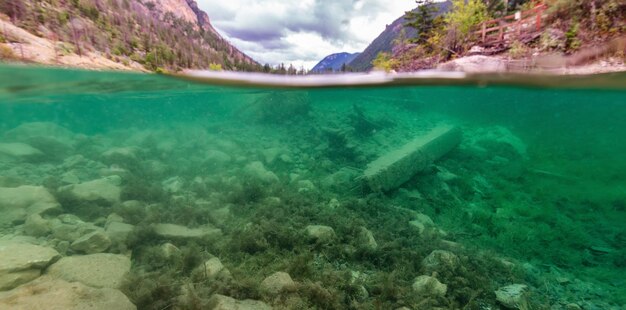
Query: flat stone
(20,152)
(47,293)
(513,296)
(174,231)
(221,302)
(105,189)
(429,286)
(320,233)
(94,242)
(22,262)
(16,203)
(277,282)
(95,270)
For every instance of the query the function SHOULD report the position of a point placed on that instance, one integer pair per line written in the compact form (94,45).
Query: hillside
(384,41)
(333,62)
(117,34)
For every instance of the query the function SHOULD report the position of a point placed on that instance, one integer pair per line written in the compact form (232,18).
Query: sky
(301,32)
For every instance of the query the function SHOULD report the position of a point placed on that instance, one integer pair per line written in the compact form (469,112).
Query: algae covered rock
(277,282)
(22,262)
(365,239)
(257,170)
(211,269)
(47,293)
(320,233)
(221,302)
(94,242)
(95,270)
(118,232)
(36,226)
(440,260)
(429,286)
(513,296)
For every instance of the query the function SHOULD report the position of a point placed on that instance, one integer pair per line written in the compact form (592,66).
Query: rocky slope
(384,41)
(114,34)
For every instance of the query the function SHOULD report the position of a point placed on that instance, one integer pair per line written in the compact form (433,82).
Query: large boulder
(47,293)
(16,203)
(256,170)
(95,270)
(440,260)
(106,189)
(22,262)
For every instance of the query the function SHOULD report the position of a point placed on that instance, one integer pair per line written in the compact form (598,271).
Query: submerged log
(398,166)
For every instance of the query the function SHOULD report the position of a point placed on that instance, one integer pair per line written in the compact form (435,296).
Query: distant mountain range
(334,62)
(384,41)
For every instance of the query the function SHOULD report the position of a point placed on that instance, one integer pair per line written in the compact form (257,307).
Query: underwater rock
(19,152)
(221,302)
(70,227)
(22,262)
(16,203)
(306,186)
(170,251)
(95,242)
(211,269)
(439,260)
(320,233)
(277,282)
(258,171)
(341,180)
(36,226)
(105,189)
(121,155)
(47,293)
(39,129)
(173,185)
(365,239)
(429,286)
(485,139)
(173,231)
(394,168)
(513,296)
(421,222)
(95,270)
(271,154)
(118,232)
(217,158)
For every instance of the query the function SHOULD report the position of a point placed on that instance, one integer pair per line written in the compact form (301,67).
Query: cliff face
(170,34)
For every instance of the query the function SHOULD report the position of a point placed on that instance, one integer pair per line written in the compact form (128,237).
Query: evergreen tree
(422,20)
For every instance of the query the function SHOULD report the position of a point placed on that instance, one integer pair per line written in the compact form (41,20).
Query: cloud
(301,32)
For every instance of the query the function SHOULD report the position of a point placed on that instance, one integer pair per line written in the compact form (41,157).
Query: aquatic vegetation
(214,209)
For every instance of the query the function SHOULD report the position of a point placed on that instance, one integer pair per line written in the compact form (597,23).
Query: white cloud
(301,32)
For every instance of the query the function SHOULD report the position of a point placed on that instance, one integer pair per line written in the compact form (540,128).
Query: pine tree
(422,20)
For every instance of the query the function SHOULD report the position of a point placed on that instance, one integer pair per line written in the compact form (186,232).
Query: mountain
(131,34)
(333,62)
(384,41)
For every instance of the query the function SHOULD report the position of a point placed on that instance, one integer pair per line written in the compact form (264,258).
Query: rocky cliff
(163,34)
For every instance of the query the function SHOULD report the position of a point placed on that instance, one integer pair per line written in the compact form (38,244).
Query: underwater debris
(398,166)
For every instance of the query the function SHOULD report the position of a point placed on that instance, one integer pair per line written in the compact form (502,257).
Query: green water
(535,193)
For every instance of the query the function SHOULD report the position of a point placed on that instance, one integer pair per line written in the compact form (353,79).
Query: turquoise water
(533,194)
